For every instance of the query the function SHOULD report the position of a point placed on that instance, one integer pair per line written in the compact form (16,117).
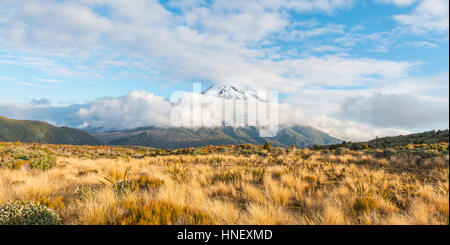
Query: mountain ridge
(300,136)
(12,130)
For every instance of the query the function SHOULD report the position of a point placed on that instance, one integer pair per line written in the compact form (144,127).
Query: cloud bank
(394,110)
(361,118)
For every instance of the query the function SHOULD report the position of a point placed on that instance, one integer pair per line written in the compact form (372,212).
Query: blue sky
(333,61)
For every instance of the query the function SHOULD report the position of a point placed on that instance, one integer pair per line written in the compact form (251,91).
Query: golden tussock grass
(291,187)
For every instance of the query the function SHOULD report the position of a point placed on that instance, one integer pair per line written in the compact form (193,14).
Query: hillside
(429,137)
(40,132)
(172,138)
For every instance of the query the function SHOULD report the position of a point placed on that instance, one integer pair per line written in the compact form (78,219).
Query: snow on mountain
(232,92)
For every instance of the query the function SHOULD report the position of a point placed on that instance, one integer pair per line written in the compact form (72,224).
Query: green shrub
(43,162)
(40,160)
(27,213)
(325,151)
(339,151)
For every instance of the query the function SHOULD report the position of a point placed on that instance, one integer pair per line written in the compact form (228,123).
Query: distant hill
(429,137)
(41,132)
(171,138)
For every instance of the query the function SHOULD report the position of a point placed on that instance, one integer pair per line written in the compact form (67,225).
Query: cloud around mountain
(360,117)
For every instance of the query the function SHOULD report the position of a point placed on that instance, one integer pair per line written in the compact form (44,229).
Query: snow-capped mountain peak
(232,92)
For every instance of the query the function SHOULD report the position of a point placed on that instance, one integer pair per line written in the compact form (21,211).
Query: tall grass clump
(154,212)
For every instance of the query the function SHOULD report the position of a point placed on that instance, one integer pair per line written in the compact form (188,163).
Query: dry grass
(291,187)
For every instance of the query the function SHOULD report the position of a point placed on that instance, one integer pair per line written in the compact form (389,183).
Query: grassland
(242,184)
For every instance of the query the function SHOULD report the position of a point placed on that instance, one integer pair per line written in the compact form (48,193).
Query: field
(243,184)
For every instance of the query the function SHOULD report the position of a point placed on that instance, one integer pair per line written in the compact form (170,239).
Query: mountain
(40,132)
(171,138)
(232,92)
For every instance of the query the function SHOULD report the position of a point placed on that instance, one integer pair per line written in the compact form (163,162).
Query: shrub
(325,151)
(339,151)
(43,162)
(267,146)
(19,158)
(27,213)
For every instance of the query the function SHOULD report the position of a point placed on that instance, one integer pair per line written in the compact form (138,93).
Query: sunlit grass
(280,186)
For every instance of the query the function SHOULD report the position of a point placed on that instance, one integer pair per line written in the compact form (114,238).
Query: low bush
(18,158)
(27,213)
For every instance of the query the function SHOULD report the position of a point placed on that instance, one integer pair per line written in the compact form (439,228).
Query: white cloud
(341,71)
(356,36)
(140,109)
(430,15)
(25,84)
(395,110)
(327,6)
(401,3)
(326,48)
(136,109)
(48,80)
(354,131)
(219,42)
(300,35)
(422,44)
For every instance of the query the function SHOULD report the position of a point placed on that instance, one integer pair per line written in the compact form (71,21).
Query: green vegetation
(422,140)
(27,213)
(16,158)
